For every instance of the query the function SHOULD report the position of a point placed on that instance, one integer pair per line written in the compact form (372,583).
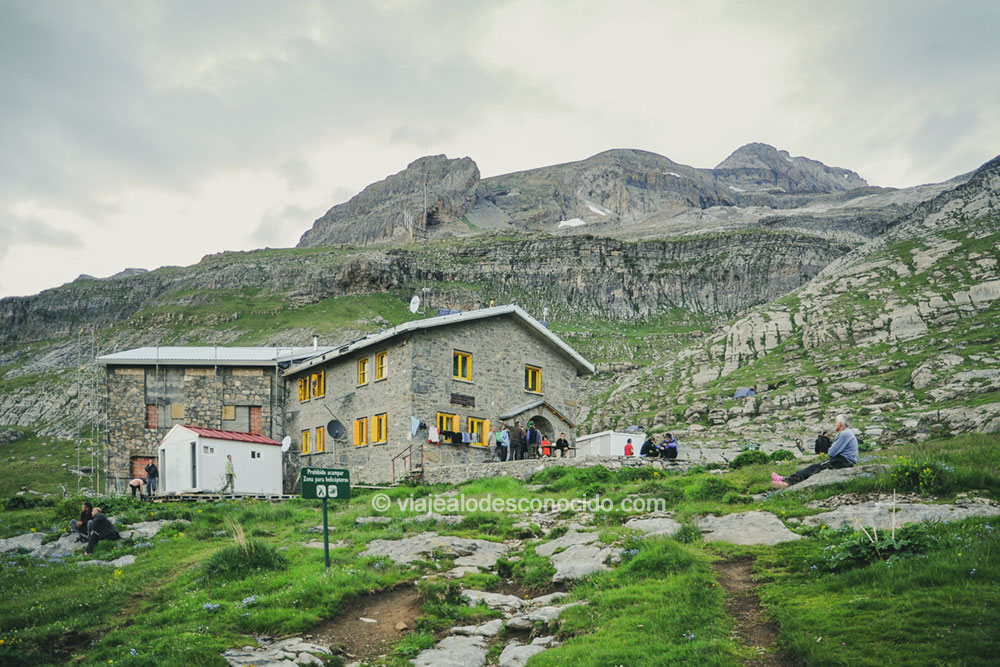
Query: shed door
(194,465)
(139,465)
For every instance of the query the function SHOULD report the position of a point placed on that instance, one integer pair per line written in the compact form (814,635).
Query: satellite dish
(414,303)
(335,429)
(286,442)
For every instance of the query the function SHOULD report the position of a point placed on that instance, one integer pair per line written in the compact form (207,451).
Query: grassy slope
(46,473)
(927,609)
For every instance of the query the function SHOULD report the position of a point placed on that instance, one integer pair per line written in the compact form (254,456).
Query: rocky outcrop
(392,208)
(609,192)
(762,167)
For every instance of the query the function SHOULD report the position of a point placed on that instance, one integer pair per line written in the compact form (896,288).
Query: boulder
(654,527)
(745,528)
(454,651)
(879,514)
(469,552)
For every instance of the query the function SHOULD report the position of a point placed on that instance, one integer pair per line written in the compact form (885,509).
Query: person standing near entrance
(230,475)
(516,442)
(504,448)
(152,477)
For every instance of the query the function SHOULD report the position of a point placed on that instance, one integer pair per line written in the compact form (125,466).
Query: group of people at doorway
(516,443)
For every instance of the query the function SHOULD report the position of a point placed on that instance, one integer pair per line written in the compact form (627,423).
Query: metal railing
(409,462)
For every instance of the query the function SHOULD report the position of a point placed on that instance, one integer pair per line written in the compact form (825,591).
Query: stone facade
(221,397)
(420,382)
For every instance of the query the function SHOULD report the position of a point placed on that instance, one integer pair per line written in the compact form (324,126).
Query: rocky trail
(367,627)
(751,626)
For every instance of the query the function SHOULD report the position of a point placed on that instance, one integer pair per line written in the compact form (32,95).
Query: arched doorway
(545,426)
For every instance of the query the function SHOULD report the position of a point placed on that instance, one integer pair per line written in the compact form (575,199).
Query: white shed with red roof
(193,460)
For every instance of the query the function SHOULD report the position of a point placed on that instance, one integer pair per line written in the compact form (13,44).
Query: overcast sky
(142,134)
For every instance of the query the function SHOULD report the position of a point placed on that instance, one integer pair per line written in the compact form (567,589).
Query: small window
(379,423)
(319,384)
(152,417)
(254,454)
(533,379)
(320,439)
(305,442)
(208,449)
(362,371)
(177,411)
(360,431)
(303,389)
(380,366)
(462,366)
(478,428)
(447,422)
(228,412)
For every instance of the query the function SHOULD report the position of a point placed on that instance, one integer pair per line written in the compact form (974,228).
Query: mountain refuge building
(426,393)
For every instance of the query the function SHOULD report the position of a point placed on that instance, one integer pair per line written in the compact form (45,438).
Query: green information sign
(325,483)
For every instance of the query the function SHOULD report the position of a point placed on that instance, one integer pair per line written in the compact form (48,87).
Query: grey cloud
(281,227)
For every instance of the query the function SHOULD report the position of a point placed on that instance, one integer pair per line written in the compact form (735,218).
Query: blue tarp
(743,392)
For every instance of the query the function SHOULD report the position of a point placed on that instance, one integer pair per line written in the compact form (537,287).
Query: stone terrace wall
(525,469)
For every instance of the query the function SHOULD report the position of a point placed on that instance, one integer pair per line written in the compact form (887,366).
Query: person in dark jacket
(152,478)
(647,449)
(516,442)
(99,528)
(562,445)
(86,514)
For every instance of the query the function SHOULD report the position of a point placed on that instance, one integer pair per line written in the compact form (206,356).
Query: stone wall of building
(420,383)
(195,395)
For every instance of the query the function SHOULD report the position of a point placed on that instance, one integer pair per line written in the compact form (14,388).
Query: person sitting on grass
(80,527)
(843,454)
(99,528)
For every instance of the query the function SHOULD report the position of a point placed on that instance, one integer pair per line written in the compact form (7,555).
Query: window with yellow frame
(303,389)
(361,431)
(305,442)
(533,379)
(447,422)
(379,432)
(478,428)
(380,366)
(318,384)
(320,439)
(363,371)
(462,365)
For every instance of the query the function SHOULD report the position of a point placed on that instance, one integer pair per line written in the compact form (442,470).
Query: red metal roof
(232,435)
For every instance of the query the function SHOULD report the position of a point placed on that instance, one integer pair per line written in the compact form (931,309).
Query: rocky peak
(378,212)
(757,166)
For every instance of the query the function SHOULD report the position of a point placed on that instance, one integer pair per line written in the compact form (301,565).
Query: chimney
(315,341)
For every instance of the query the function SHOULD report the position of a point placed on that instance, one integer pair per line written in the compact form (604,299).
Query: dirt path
(361,640)
(751,628)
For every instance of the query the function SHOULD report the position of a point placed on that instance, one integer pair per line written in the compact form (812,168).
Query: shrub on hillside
(862,548)
(781,455)
(749,458)
(27,503)
(711,488)
(923,477)
(243,558)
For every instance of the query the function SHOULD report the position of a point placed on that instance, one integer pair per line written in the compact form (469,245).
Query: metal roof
(231,435)
(431,322)
(215,355)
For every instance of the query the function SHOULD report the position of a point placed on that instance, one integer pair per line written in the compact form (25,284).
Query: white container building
(608,443)
(193,460)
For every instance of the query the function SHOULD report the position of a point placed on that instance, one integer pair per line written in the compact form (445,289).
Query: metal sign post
(323,484)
